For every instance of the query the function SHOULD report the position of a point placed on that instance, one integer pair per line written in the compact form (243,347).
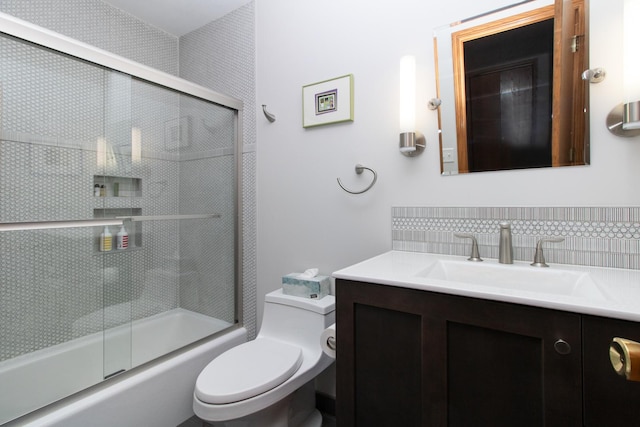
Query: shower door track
(24,30)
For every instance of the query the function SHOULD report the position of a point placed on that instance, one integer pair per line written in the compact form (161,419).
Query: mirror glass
(511,91)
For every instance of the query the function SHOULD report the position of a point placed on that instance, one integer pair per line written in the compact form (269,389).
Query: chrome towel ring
(359,170)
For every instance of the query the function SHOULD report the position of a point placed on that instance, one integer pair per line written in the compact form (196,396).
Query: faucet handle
(538,258)
(475,253)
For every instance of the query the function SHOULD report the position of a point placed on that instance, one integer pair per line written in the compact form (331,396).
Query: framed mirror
(511,88)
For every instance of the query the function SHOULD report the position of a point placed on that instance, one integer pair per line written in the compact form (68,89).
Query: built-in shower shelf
(117,203)
(134,229)
(118,251)
(116,186)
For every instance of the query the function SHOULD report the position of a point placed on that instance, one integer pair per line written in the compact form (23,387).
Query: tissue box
(314,287)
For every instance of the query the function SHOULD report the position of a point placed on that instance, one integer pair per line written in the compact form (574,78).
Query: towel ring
(359,170)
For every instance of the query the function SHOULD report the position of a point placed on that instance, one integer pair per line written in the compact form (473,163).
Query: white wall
(305,219)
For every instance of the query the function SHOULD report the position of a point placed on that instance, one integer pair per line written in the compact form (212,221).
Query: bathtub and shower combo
(94,332)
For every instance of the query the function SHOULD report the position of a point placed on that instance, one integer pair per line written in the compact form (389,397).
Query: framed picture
(330,101)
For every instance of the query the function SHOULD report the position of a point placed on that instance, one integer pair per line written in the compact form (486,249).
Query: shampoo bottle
(122,239)
(106,240)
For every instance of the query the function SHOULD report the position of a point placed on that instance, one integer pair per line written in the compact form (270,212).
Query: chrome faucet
(506,247)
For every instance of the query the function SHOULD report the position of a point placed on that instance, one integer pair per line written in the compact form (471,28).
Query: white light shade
(136,145)
(631,57)
(101,152)
(407,94)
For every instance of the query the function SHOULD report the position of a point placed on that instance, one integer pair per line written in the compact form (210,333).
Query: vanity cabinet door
(609,399)
(380,339)
(507,364)
(413,358)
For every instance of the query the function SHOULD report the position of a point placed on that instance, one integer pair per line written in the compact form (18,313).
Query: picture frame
(328,102)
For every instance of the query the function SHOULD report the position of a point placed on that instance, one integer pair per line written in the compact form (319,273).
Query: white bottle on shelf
(106,240)
(122,239)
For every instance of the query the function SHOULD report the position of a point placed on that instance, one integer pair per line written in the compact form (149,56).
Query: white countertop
(617,291)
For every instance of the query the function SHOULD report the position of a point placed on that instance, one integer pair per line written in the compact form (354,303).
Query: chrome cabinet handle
(562,347)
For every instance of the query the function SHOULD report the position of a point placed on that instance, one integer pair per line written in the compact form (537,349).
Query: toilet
(269,382)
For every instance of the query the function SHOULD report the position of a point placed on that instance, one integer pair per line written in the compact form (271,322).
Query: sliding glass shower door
(118,223)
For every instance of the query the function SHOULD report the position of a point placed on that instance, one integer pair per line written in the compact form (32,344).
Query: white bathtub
(158,395)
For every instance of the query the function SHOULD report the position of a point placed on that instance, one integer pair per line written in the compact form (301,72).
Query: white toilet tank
(296,319)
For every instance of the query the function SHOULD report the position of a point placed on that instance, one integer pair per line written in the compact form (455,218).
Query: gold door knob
(625,358)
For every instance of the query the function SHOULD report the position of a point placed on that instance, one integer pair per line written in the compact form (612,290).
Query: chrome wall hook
(359,170)
(271,117)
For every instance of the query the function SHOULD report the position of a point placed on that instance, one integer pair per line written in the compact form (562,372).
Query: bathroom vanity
(426,340)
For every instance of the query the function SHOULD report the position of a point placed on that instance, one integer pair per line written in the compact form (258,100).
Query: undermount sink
(517,277)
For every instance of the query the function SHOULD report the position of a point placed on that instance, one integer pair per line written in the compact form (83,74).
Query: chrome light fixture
(412,142)
(624,119)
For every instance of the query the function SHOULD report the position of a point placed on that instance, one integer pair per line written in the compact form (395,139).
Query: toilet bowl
(269,381)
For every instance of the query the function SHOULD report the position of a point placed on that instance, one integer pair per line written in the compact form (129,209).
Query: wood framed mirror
(518,98)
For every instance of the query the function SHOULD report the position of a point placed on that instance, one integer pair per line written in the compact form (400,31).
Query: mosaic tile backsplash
(593,236)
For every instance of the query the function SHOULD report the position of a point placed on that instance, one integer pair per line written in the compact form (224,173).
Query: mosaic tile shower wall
(103,26)
(54,283)
(221,56)
(206,185)
(58,287)
(601,237)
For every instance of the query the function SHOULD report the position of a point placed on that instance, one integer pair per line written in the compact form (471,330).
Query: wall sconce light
(412,142)
(624,119)
(136,145)
(105,156)
(101,152)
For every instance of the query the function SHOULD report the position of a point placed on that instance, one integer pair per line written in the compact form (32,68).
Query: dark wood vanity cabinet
(415,358)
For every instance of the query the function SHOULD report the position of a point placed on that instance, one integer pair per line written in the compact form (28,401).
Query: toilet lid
(247,370)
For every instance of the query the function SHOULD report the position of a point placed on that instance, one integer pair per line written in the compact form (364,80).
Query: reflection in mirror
(512,95)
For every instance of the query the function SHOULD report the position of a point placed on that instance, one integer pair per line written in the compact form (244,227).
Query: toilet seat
(247,370)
